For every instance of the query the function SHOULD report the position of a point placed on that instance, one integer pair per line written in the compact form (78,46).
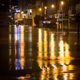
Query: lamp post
(53,6)
(40,10)
(45,11)
(61,8)
(62,3)
(40,13)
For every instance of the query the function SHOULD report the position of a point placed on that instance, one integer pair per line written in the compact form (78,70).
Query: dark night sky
(4,4)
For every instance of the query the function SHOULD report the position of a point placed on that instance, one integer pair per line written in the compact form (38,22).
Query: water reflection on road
(49,47)
(53,55)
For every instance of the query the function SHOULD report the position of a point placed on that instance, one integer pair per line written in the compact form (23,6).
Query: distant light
(30,10)
(21,78)
(45,7)
(17,10)
(62,2)
(46,22)
(52,6)
(40,9)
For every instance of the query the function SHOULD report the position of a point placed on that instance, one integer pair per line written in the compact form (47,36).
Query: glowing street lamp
(40,9)
(62,3)
(61,8)
(45,10)
(52,6)
(45,7)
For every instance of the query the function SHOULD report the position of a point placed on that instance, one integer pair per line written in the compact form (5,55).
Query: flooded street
(39,54)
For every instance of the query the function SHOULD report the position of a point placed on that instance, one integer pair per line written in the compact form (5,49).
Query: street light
(45,7)
(62,3)
(45,11)
(40,9)
(61,8)
(52,6)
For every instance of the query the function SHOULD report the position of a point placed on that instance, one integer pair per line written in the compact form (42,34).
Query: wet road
(38,54)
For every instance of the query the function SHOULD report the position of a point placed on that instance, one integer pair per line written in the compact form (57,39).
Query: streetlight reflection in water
(61,47)
(53,67)
(40,43)
(52,46)
(46,46)
(45,40)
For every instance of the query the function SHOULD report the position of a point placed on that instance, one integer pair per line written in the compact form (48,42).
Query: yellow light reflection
(54,69)
(45,44)
(52,44)
(70,67)
(22,47)
(21,78)
(67,61)
(40,43)
(65,68)
(48,74)
(55,76)
(61,46)
(65,76)
(71,76)
(61,62)
(40,62)
(22,41)
(67,52)
(44,72)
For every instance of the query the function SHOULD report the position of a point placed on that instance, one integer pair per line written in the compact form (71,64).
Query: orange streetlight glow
(52,6)
(45,7)
(40,9)
(62,2)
